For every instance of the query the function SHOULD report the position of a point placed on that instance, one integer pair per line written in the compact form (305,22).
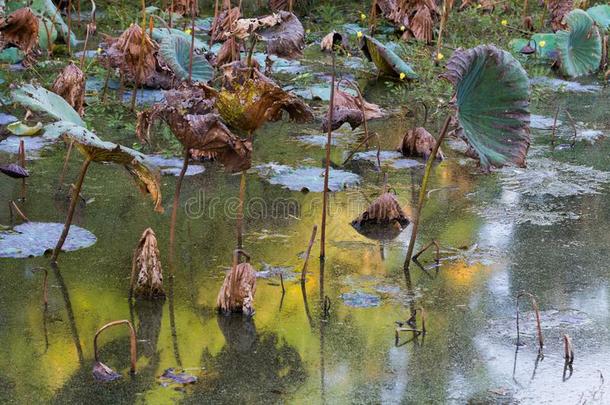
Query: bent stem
(192,42)
(172,227)
(327,168)
(240,211)
(422,193)
(538,325)
(63,170)
(132,341)
(307,253)
(73,202)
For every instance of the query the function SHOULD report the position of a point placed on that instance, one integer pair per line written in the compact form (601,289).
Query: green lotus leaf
(20,129)
(46,29)
(11,55)
(40,99)
(159,34)
(175,51)
(137,164)
(386,61)
(601,15)
(492,100)
(48,9)
(580,48)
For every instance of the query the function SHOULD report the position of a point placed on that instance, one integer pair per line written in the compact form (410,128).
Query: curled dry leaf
(385,59)
(146,271)
(416,16)
(229,52)
(383,218)
(70,84)
(192,118)
(20,29)
(221,26)
(249,99)
(348,109)
(283,33)
(558,9)
(237,291)
(418,142)
(183,7)
(332,40)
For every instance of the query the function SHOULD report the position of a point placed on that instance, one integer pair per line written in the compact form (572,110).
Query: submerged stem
(172,227)
(327,168)
(422,193)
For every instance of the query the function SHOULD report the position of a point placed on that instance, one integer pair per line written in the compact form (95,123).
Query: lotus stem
(428,246)
(240,211)
(132,342)
(568,350)
(82,57)
(538,325)
(422,192)
(554,127)
(192,42)
(171,13)
(22,164)
(573,124)
(447,6)
(108,72)
(69,26)
(331,107)
(373,17)
(73,202)
(307,252)
(172,227)
(282,284)
(45,286)
(212,31)
(13,206)
(524,14)
(49,45)
(357,148)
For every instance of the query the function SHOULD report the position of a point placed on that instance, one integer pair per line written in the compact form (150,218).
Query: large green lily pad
(601,15)
(580,47)
(385,59)
(492,100)
(175,51)
(40,99)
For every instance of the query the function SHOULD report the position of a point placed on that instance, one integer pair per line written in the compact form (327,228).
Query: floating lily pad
(390,158)
(359,299)
(541,122)
(35,238)
(310,178)
(173,166)
(33,145)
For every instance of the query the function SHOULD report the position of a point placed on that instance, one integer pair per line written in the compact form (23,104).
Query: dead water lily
(221,26)
(282,31)
(20,29)
(347,108)
(134,54)
(416,18)
(146,270)
(418,142)
(184,7)
(238,288)
(384,218)
(70,84)
(249,99)
(332,41)
(15,171)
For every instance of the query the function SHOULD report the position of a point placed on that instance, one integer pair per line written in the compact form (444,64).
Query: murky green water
(541,229)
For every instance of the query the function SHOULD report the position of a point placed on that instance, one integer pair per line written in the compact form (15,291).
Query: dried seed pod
(70,84)
(237,291)
(418,142)
(146,272)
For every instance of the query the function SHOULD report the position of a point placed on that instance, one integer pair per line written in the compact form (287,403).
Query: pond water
(542,229)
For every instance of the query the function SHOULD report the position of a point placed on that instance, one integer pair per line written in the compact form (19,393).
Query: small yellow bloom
(440,56)
(359,34)
(402,28)
(362,16)
(542,44)
(504,22)
(188,31)
(402,76)
(479,6)
(308,31)
(99,50)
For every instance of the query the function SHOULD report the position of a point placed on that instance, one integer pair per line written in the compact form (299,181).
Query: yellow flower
(478,6)
(359,34)
(402,28)
(504,22)
(188,31)
(362,16)
(99,50)
(402,76)
(440,56)
(542,44)
(308,31)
